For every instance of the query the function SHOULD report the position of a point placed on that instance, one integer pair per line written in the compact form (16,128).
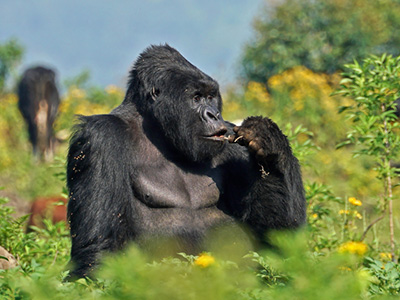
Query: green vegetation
(321,35)
(11,53)
(375,88)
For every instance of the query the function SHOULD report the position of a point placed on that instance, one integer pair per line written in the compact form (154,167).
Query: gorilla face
(190,116)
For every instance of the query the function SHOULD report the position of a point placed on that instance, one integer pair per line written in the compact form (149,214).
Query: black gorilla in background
(165,165)
(38,103)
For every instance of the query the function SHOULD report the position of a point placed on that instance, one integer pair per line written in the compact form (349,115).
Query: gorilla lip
(217,136)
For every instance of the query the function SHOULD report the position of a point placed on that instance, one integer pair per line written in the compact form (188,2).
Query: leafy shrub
(374,87)
(386,277)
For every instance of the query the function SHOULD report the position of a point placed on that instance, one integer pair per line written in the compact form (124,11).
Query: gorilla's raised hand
(263,138)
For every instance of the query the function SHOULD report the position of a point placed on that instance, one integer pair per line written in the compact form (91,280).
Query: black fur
(38,103)
(158,167)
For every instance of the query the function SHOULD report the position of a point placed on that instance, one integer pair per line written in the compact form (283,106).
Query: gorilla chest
(165,185)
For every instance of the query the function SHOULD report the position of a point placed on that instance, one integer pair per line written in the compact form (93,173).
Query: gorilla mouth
(217,136)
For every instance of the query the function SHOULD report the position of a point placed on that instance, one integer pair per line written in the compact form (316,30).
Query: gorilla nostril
(210,115)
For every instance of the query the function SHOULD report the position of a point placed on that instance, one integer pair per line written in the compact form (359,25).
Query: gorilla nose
(210,114)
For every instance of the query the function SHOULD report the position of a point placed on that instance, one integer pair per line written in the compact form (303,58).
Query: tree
(11,54)
(322,35)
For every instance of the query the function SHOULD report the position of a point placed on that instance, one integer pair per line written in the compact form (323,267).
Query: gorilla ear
(154,93)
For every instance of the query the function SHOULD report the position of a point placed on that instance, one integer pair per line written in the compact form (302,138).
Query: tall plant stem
(389,193)
(391,225)
(390,208)
(372,224)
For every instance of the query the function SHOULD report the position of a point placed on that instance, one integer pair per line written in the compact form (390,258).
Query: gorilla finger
(247,134)
(253,145)
(260,153)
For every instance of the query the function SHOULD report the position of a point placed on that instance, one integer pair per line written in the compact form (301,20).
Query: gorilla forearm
(274,203)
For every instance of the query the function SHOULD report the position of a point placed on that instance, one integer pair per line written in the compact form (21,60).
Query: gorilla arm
(100,193)
(276,197)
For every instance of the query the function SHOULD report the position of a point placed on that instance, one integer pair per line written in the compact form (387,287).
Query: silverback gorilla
(38,103)
(164,164)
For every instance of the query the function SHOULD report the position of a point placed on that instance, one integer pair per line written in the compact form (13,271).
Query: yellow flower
(315,216)
(344,212)
(358,215)
(204,260)
(355,201)
(77,93)
(385,256)
(256,91)
(9,99)
(358,248)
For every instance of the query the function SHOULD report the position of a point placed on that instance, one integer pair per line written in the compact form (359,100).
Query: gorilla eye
(197,98)
(210,97)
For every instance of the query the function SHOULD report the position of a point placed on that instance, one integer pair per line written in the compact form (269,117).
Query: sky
(105,37)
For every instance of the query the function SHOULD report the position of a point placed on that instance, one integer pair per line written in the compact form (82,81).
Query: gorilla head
(184,101)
